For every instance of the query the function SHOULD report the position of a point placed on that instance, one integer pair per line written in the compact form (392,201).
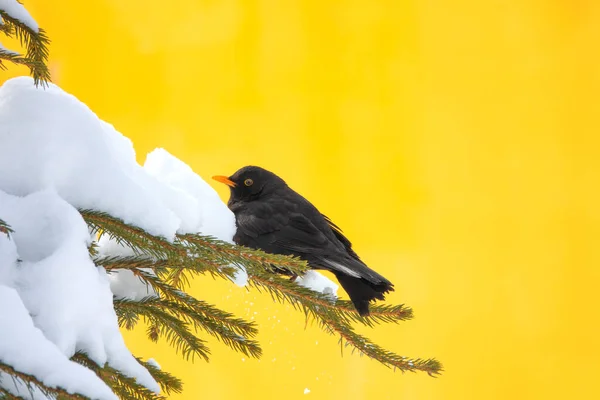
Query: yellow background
(455,142)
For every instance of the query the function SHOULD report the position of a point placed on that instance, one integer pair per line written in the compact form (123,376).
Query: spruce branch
(240,255)
(112,263)
(127,388)
(36,43)
(181,260)
(161,324)
(336,320)
(160,268)
(13,57)
(372,350)
(32,383)
(169,384)
(317,304)
(217,329)
(140,241)
(385,313)
(5,228)
(233,332)
(164,266)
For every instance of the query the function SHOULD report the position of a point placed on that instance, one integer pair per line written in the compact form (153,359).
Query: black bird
(272,217)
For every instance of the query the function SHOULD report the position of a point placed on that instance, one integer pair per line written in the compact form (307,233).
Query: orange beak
(225,180)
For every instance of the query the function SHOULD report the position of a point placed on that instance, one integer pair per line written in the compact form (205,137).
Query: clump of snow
(123,283)
(306,390)
(318,282)
(17,11)
(51,240)
(215,218)
(26,349)
(241,276)
(153,362)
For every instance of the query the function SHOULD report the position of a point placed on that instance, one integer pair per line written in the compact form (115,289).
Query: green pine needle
(128,388)
(36,44)
(169,384)
(162,323)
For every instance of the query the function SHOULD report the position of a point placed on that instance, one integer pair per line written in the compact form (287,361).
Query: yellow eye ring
(248,182)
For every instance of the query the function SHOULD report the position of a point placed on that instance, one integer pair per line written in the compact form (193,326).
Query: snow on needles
(57,156)
(16,10)
(319,283)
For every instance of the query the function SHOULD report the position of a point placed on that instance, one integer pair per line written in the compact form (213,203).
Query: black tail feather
(362,292)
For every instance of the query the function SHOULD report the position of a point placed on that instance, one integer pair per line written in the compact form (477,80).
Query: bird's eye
(248,182)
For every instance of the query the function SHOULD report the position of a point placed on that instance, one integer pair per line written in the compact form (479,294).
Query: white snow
(318,282)
(125,285)
(153,362)
(68,297)
(214,218)
(306,390)
(18,11)
(26,349)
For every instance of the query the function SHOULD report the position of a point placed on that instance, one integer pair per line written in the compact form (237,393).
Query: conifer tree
(167,267)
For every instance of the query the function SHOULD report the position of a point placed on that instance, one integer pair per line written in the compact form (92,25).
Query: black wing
(292,234)
(337,231)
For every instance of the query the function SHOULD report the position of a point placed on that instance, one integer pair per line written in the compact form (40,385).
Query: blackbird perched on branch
(272,217)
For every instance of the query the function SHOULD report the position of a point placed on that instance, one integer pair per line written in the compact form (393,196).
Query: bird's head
(250,183)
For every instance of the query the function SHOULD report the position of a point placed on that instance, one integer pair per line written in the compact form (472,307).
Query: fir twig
(240,255)
(234,332)
(140,241)
(125,387)
(13,57)
(36,43)
(336,320)
(161,324)
(5,228)
(372,350)
(179,258)
(316,304)
(32,382)
(169,384)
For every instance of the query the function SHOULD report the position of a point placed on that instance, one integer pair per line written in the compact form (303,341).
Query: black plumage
(274,218)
